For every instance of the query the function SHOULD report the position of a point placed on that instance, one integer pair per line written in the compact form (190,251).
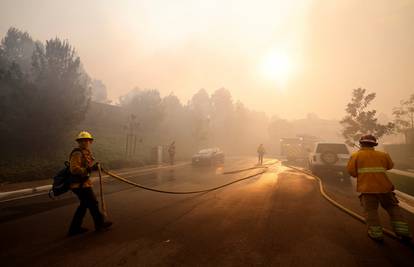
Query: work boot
(105,225)
(79,231)
(375,233)
(401,230)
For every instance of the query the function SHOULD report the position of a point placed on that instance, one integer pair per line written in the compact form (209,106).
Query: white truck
(328,157)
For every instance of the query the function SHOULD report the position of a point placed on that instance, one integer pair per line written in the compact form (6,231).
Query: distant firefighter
(171,152)
(81,166)
(370,166)
(260,152)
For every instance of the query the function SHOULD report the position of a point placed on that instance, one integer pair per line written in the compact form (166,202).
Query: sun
(277,67)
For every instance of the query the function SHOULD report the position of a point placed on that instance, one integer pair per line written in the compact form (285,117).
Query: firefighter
(81,166)
(171,152)
(261,151)
(369,167)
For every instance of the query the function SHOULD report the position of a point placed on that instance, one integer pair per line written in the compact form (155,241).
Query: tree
(404,114)
(200,103)
(15,95)
(147,106)
(222,117)
(49,104)
(404,118)
(124,100)
(176,122)
(359,120)
(99,92)
(200,113)
(18,47)
(222,103)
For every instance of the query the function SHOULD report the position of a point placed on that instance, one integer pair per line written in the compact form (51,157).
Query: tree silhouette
(404,114)
(359,120)
(45,101)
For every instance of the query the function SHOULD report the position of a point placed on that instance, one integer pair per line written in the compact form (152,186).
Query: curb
(402,173)
(28,192)
(24,192)
(406,201)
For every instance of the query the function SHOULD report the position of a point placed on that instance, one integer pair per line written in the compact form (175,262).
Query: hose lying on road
(264,169)
(338,205)
(252,168)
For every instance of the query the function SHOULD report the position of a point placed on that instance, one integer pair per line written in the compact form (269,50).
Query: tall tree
(404,114)
(404,118)
(99,92)
(360,120)
(200,114)
(50,106)
(147,107)
(222,117)
(200,103)
(222,102)
(176,121)
(18,47)
(126,99)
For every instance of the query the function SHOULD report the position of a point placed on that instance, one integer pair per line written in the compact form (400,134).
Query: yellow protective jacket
(171,149)
(261,150)
(370,166)
(79,165)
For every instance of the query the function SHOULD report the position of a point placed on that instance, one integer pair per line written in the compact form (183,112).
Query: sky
(287,58)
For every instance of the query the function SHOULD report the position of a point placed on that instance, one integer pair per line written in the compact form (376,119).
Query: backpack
(63,179)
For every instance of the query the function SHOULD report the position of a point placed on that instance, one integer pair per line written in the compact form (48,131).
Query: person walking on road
(261,151)
(369,167)
(171,152)
(81,164)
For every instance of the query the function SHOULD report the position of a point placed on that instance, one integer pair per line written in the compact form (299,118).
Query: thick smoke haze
(285,58)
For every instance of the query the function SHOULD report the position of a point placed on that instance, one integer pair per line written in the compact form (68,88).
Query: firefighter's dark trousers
(260,158)
(172,158)
(87,200)
(389,202)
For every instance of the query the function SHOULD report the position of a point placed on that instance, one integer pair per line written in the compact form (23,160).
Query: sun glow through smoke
(277,67)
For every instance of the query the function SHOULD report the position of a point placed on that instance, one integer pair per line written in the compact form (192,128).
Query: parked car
(328,157)
(208,156)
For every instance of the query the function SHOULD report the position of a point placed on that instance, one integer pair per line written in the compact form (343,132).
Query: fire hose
(338,205)
(120,178)
(264,168)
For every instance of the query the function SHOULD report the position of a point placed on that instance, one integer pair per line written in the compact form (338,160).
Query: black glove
(83,179)
(95,166)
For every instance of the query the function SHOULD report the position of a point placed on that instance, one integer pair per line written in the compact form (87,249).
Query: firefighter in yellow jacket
(370,166)
(260,153)
(81,166)
(171,152)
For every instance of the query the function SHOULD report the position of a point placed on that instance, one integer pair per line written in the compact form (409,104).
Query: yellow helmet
(84,135)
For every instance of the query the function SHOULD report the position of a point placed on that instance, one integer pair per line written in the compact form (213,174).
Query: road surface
(275,219)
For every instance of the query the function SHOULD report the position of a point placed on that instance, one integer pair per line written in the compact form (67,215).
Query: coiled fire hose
(338,205)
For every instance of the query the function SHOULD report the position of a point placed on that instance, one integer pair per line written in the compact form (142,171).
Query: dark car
(208,156)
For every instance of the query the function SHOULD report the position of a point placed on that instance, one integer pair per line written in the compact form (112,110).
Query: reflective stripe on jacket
(79,165)
(370,166)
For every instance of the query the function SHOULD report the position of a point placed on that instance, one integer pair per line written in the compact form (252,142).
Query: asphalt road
(275,219)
